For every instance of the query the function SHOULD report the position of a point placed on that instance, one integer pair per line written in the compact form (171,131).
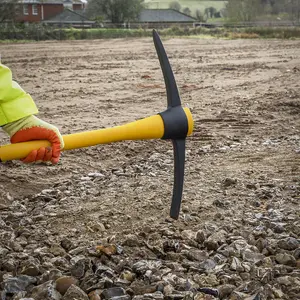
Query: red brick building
(39,10)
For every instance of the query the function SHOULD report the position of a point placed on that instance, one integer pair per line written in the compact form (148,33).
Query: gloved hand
(32,128)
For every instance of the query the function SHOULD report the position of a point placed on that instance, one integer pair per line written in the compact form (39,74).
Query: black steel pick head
(173,97)
(175,124)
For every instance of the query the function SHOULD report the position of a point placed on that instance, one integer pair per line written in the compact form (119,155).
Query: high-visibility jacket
(15,103)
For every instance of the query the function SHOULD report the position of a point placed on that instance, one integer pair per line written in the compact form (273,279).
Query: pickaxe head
(178,123)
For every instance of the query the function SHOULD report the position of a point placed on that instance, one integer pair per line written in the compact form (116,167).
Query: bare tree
(9,10)
(117,11)
(175,5)
(243,10)
(293,8)
(187,11)
(273,7)
(210,12)
(199,16)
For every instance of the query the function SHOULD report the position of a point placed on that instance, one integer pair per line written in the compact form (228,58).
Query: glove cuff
(14,127)
(31,122)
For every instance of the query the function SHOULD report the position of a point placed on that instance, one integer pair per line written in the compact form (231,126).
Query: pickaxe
(175,123)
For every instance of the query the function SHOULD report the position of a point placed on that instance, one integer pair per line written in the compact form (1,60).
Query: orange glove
(32,128)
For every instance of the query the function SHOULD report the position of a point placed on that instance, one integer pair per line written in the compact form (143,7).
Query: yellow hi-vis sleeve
(15,103)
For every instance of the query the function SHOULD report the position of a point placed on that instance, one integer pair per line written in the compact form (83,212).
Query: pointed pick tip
(155,34)
(174,216)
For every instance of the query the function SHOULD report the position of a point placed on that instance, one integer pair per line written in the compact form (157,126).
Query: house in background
(157,18)
(34,11)
(72,13)
(148,18)
(164,18)
(70,18)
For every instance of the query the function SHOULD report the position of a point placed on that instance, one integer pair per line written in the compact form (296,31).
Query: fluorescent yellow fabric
(15,103)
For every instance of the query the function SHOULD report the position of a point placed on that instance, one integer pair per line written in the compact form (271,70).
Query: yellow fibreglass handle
(147,128)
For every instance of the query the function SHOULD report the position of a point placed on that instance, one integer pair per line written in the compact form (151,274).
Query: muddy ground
(245,148)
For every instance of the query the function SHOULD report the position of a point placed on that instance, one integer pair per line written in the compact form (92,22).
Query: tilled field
(96,226)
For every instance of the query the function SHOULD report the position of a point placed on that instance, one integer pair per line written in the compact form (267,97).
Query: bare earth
(245,149)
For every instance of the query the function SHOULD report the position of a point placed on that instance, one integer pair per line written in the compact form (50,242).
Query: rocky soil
(96,226)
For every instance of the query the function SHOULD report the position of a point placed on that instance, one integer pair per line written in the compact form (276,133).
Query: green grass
(35,33)
(193,5)
(17,41)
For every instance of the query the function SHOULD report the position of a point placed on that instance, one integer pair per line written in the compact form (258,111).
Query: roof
(164,15)
(69,16)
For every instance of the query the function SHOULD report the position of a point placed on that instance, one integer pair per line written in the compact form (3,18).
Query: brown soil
(244,96)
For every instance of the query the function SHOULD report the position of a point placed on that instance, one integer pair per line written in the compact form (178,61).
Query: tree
(217,14)
(187,11)
(293,9)
(210,12)
(273,7)
(277,6)
(175,5)
(223,12)
(199,16)
(117,11)
(9,10)
(243,10)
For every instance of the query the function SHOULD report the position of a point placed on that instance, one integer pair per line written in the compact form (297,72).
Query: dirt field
(245,149)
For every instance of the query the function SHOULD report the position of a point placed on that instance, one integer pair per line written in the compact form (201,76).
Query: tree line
(251,10)
(9,9)
(247,10)
(120,11)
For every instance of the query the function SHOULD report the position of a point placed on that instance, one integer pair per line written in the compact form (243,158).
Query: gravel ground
(96,226)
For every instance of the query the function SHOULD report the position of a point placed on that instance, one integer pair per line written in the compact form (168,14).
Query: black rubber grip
(175,123)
